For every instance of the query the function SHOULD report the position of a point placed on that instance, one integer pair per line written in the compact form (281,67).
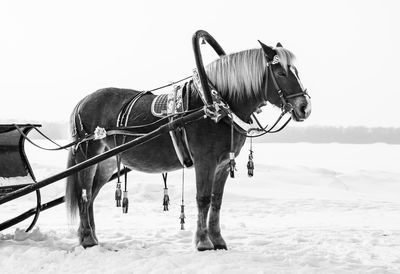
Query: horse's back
(100,108)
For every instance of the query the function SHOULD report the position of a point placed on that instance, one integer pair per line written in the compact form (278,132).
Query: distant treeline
(311,134)
(346,135)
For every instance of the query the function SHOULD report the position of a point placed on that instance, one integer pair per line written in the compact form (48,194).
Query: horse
(246,80)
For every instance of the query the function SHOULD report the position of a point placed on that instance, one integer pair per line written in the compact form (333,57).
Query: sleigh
(14,163)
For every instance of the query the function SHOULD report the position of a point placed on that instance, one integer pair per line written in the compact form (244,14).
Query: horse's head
(284,86)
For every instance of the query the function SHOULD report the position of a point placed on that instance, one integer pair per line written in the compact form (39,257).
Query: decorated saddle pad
(167,104)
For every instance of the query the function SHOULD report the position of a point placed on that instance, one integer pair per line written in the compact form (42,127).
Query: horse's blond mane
(240,75)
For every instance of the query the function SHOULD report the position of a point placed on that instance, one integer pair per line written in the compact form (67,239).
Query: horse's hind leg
(85,232)
(204,178)
(216,201)
(86,177)
(104,172)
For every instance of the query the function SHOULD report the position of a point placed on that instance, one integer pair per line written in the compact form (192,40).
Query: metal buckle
(287,108)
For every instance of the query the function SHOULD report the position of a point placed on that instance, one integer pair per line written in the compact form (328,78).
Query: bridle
(286,107)
(283,97)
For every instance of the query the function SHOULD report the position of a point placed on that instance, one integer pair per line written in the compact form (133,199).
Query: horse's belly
(155,156)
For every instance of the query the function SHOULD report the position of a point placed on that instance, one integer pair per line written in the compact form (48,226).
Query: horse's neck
(243,108)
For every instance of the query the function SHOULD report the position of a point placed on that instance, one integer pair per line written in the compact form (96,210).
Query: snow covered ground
(310,208)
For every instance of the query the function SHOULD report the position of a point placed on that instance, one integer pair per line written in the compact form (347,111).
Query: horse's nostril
(303,109)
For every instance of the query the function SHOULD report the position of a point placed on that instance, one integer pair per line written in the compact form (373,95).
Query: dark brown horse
(243,80)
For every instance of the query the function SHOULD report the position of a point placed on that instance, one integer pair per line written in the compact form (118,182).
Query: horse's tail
(71,192)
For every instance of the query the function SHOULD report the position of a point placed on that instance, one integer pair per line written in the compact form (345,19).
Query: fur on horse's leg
(91,219)
(216,201)
(103,174)
(85,230)
(204,179)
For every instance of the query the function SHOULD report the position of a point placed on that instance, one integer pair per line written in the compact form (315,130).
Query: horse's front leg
(216,201)
(204,178)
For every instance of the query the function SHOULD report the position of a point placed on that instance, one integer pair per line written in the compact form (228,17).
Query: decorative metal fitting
(275,60)
(99,133)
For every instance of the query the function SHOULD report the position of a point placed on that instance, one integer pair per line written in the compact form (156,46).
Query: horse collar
(220,108)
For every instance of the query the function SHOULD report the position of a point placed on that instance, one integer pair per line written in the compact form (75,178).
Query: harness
(170,106)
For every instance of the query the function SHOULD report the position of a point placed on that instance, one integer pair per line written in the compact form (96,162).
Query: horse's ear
(279,45)
(269,52)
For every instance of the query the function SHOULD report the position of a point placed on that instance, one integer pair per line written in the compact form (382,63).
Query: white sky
(52,53)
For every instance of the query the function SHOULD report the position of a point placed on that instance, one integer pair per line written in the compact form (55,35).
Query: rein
(100,133)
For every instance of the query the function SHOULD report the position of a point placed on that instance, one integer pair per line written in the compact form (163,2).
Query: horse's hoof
(205,245)
(218,242)
(86,245)
(89,245)
(89,242)
(219,247)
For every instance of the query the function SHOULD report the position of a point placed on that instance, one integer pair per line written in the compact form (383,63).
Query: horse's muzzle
(302,109)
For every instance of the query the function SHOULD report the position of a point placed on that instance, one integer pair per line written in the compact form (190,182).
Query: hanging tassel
(203,41)
(166,199)
(166,196)
(182,217)
(250,163)
(118,191)
(232,164)
(118,194)
(125,201)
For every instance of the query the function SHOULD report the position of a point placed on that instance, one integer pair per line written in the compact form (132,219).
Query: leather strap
(179,138)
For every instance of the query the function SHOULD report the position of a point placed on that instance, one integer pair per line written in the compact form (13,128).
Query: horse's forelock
(285,56)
